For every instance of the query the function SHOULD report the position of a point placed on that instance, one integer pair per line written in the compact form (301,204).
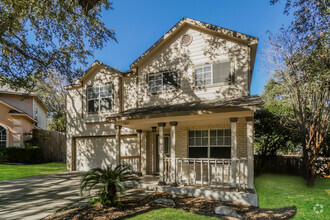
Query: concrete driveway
(39,196)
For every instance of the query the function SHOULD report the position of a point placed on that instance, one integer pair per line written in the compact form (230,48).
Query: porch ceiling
(185,120)
(203,107)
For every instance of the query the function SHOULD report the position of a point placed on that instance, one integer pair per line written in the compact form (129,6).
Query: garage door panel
(95,152)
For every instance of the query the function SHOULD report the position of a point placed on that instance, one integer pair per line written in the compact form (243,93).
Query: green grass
(170,213)
(18,171)
(276,191)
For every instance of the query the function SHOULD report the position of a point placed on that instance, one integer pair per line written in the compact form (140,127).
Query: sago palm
(110,180)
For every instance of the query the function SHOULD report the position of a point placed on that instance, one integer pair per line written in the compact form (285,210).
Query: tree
(110,179)
(274,131)
(53,94)
(37,36)
(300,59)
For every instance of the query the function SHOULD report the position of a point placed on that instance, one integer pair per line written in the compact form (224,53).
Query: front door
(166,149)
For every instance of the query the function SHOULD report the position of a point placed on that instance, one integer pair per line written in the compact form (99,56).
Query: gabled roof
(5,89)
(14,111)
(92,67)
(250,40)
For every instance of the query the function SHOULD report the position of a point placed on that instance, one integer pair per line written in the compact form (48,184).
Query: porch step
(245,198)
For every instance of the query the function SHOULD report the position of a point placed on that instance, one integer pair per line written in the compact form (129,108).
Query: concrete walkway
(39,196)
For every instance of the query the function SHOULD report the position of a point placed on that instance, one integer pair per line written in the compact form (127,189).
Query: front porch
(204,144)
(168,151)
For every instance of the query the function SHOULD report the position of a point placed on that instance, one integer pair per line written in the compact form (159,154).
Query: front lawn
(276,191)
(170,213)
(18,171)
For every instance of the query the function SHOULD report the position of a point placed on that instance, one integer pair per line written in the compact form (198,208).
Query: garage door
(95,152)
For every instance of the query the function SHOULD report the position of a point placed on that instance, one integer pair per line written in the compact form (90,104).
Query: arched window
(3,137)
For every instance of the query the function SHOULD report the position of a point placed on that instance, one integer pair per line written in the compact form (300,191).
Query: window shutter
(222,72)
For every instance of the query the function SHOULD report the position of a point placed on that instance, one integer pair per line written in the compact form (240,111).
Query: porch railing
(207,172)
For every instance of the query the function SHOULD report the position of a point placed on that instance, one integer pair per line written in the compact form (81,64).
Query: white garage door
(95,152)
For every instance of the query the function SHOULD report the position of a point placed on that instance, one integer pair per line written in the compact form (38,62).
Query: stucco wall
(205,48)
(15,125)
(22,103)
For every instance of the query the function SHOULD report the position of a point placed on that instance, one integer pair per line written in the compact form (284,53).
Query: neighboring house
(20,112)
(186,98)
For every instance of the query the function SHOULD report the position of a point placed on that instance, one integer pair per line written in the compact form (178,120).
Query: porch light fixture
(154,129)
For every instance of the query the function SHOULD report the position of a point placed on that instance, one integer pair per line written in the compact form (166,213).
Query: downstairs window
(214,143)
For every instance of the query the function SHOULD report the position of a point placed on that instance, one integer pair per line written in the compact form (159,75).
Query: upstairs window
(99,98)
(213,73)
(160,82)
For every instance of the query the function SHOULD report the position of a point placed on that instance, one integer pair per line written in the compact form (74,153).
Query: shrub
(110,179)
(28,154)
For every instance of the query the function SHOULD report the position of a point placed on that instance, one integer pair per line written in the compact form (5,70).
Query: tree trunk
(112,194)
(310,174)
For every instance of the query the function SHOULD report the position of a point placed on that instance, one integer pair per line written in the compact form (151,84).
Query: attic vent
(186,40)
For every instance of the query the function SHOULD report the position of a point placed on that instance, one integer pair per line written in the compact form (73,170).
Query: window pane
(205,141)
(191,133)
(227,132)
(191,141)
(220,133)
(213,141)
(198,133)
(93,105)
(222,72)
(105,104)
(207,68)
(105,90)
(220,141)
(213,133)
(227,140)
(205,133)
(220,152)
(198,152)
(170,80)
(166,145)
(198,141)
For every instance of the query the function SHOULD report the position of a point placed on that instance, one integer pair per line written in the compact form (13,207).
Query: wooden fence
(53,144)
(291,165)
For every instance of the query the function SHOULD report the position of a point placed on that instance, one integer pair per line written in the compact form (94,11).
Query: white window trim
(208,141)
(211,64)
(7,134)
(99,98)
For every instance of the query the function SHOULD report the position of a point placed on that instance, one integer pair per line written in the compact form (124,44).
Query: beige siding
(205,48)
(129,96)
(42,114)
(80,123)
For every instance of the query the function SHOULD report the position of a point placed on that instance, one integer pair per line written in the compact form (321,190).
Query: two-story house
(20,112)
(183,110)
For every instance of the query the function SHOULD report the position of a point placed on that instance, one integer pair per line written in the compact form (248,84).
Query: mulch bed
(132,207)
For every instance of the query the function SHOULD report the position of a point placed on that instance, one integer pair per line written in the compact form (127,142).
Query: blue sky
(139,24)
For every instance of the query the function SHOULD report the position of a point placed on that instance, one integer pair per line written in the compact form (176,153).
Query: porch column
(161,152)
(250,153)
(118,140)
(139,132)
(173,138)
(233,122)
